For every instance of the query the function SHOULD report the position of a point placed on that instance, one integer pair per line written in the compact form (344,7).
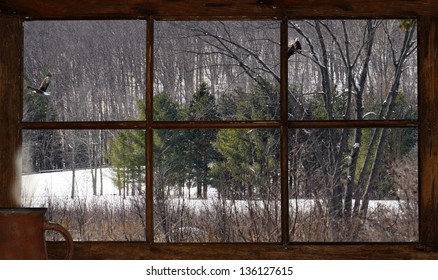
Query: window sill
(307,251)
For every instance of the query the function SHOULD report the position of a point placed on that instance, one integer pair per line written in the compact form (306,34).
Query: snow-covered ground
(41,188)
(58,185)
(53,189)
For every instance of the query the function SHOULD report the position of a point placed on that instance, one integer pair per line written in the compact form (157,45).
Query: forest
(213,71)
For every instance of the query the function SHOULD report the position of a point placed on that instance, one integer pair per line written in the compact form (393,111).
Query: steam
(15,194)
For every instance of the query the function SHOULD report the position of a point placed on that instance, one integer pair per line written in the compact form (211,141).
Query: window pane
(217,186)
(97,70)
(91,181)
(353,185)
(353,69)
(218,70)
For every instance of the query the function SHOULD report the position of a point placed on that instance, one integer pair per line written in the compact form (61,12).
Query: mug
(22,234)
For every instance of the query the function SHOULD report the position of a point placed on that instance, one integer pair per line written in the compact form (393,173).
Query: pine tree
(127,151)
(127,156)
(199,147)
(247,165)
(169,145)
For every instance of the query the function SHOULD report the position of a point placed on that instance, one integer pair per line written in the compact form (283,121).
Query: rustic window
(227,131)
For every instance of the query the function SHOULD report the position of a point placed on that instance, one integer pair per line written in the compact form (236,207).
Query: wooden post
(10,100)
(428,131)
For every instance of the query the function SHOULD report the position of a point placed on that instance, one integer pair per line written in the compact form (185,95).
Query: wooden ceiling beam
(217,8)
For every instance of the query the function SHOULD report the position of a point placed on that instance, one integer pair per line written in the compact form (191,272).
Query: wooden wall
(10,88)
(428,152)
(12,12)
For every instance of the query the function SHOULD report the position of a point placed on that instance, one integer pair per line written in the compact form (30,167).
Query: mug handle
(57,227)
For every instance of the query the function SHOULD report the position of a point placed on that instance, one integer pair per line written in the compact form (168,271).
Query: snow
(58,184)
(41,188)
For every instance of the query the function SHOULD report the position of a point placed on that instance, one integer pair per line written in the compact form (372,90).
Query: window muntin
(249,123)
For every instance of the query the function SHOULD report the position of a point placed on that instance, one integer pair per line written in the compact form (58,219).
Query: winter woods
(230,71)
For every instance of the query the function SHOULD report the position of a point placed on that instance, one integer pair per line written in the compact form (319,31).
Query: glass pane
(91,181)
(218,70)
(353,69)
(97,70)
(217,186)
(353,185)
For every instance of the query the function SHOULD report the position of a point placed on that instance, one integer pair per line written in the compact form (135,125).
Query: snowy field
(42,188)
(58,185)
(113,217)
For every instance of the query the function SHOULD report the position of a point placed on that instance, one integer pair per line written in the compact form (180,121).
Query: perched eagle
(294,48)
(43,86)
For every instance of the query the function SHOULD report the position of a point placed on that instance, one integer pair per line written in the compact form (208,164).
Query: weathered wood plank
(219,8)
(218,124)
(120,250)
(428,57)
(10,81)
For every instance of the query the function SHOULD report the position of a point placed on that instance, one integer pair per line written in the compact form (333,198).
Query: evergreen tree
(247,165)
(169,145)
(127,151)
(127,156)
(200,152)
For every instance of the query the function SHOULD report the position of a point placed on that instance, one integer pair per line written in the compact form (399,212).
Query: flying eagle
(294,48)
(43,86)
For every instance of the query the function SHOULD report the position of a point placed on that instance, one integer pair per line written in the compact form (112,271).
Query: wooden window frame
(11,49)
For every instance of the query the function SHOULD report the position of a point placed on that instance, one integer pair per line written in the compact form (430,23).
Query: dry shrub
(222,220)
